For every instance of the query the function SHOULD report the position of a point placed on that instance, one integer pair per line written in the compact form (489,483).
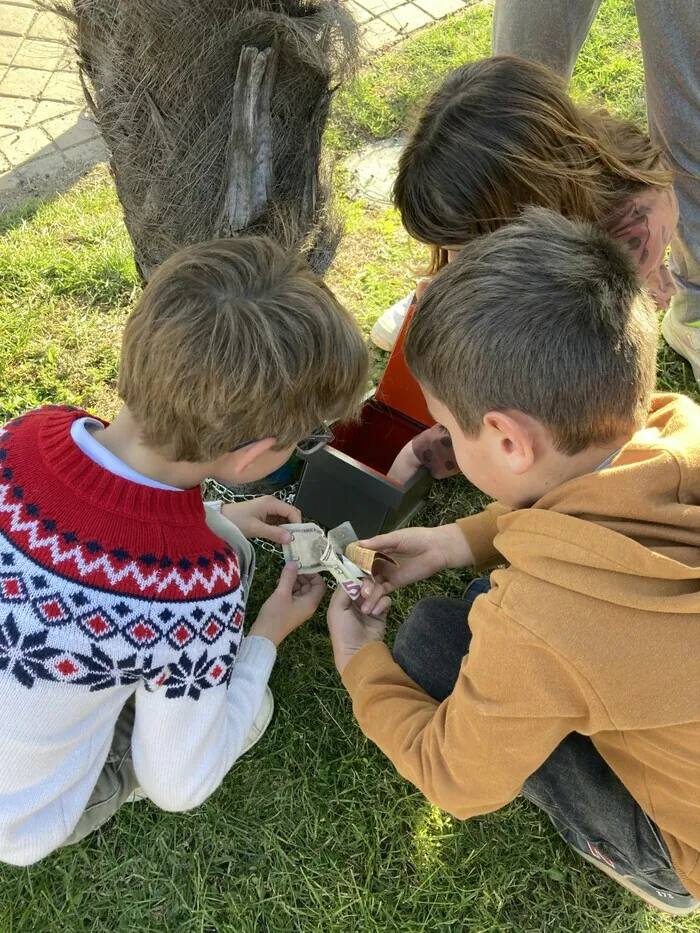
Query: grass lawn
(314,832)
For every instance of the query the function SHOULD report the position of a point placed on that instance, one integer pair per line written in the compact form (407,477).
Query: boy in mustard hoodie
(575,679)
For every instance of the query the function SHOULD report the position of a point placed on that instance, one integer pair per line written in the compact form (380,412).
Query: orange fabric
(594,627)
(397,388)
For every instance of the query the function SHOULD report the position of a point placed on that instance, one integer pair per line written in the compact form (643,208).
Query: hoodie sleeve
(514,701)
(480,531)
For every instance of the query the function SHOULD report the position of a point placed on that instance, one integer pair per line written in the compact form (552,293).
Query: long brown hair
(503,134)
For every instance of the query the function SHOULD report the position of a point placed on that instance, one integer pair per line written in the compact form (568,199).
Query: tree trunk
(214,112)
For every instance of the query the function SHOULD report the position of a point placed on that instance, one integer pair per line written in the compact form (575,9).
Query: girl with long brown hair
(503,134)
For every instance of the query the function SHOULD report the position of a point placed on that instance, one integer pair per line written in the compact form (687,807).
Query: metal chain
(214,490)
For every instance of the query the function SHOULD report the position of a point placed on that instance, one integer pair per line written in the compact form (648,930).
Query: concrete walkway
(47,138)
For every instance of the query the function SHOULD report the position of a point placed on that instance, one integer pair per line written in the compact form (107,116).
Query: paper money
(338,553)
(365,558)
(347,575)
(344,540)
(312,552)
(307,547)
(342,537)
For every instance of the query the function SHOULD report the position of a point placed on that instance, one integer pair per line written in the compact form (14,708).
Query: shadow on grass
(44,176)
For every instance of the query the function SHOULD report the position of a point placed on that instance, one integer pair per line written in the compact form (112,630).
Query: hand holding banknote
(419,553)
(351,629)
(338,552)
(294,601)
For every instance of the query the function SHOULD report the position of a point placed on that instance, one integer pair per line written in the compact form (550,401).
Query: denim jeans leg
(593,811)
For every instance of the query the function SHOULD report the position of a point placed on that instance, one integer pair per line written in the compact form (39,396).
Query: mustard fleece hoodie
(593,627)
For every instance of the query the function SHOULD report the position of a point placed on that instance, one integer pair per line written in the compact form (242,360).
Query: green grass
(386,97)
(314,832)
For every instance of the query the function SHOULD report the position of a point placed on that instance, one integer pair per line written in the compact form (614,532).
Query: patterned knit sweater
(109,588)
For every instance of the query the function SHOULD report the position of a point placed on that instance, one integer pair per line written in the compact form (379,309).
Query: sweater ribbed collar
(98,487)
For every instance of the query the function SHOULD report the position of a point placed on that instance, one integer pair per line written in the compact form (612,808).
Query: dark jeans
(587,803)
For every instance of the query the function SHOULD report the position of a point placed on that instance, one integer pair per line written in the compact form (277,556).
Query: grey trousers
(117,780)
(553,31)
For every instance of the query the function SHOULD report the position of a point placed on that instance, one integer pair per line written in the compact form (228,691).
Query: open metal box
(347,481)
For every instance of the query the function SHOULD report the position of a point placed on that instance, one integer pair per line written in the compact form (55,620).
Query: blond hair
(237,340)
(545,316)
(503,134)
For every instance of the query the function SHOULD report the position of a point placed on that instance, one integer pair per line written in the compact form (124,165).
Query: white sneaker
(262,721)
(386,331)
(683,339)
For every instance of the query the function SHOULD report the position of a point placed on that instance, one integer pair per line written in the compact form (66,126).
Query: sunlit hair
(237,340)
(545,316)
(502,134)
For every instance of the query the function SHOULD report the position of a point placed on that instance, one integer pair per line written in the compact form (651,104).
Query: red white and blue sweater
(110,588)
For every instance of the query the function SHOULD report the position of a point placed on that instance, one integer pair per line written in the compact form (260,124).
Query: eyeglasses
(315,442)
(310,445)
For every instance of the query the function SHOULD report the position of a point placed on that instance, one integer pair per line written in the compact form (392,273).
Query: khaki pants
(117,780)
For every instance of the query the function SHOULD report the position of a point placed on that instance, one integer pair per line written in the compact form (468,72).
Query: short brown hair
(503,134)
(237,340)
(545,316)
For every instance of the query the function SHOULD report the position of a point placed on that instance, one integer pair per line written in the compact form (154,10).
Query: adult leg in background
(587,803)
(670,34)
(551,32)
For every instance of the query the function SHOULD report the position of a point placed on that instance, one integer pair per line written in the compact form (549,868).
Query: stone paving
(46,135)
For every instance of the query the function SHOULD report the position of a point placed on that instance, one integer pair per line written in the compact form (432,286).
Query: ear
(244,459)
(515,434)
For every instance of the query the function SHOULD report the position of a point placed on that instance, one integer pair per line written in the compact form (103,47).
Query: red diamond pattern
(52,610)
(12,588)
(142,634)
(212,630)
(180,634)
(97,625)
(67,667)
(237,620)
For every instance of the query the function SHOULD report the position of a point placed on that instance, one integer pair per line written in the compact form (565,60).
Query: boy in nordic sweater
(573,676)
(123,663)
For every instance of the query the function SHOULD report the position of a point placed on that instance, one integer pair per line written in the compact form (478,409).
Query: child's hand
(259,518)
(294,601)
(420,553)
(405,466)
(350,629)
